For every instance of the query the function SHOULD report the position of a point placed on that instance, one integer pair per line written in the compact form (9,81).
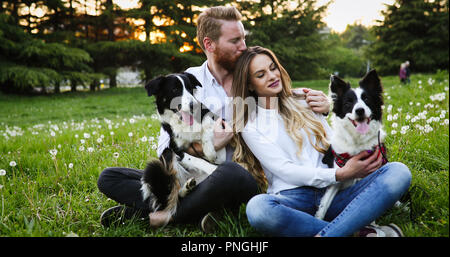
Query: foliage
(414,30)
(33,63)
(291,33)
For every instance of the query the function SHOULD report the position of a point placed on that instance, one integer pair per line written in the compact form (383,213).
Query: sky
(343,12)
(340,12)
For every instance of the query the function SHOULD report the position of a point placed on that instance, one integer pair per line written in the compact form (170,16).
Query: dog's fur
(186,121)
(357,125)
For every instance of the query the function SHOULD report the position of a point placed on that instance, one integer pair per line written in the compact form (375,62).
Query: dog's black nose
(359,111)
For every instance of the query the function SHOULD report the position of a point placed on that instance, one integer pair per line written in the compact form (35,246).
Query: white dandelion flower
(2,172)
(90,149)
(393,132)
(81,148)
(116,155)
(130,134)
(144,139)
(70,165)
(394,125)
(99,140)
(12,163)
(53,152)
(86,135)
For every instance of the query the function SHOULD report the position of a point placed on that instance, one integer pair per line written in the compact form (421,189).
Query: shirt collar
(209,75)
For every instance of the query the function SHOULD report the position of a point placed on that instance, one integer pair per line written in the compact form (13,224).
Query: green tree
(27,63)
(414,30)
(291,31)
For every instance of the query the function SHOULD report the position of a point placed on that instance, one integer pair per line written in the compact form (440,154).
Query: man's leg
(228,186)
(123,185)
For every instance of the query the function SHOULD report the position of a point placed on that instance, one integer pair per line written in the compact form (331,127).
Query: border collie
(357,127)
(186,121)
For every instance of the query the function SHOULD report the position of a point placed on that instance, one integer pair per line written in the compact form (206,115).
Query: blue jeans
(291,212)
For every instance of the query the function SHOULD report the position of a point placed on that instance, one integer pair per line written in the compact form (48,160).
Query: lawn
(53,148)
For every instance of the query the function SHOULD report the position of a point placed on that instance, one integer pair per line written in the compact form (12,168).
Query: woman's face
(265,77)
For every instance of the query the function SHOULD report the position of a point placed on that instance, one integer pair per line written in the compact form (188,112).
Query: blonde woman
(284,139)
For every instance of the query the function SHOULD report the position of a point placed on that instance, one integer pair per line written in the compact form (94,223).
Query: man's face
(230,44)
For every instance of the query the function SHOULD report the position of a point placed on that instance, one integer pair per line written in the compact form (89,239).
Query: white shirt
(212,95)
(268,140)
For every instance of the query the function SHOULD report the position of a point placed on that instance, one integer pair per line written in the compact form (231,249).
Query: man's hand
(223,133)
(317,100)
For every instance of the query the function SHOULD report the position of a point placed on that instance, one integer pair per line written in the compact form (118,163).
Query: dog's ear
(371,82)
(192,80)
(337,86)
(154,85)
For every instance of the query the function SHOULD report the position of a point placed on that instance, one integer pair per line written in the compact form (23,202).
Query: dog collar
(341,159)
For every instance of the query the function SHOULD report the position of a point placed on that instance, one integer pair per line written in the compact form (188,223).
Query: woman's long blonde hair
(294,114)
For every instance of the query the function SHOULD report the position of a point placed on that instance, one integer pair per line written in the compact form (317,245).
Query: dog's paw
(190,184)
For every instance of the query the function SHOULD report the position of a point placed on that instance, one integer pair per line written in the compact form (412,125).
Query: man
(221,35)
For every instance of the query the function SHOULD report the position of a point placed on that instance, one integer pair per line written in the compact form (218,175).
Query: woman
(284,137)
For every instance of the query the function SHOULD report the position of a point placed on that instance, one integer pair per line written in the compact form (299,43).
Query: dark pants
(228,186)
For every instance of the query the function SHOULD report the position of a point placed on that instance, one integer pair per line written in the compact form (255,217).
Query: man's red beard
(225,60)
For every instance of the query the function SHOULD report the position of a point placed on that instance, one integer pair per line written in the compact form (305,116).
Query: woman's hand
(360,165)
(317,100)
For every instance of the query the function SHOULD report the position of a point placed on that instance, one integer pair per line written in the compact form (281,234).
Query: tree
(414,30)
(26,62)
(291,32)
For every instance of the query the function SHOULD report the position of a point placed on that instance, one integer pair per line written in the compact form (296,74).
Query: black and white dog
(357,127)
(186,121)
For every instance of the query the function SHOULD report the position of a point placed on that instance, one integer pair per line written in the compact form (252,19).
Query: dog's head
(174,93)
(359,106)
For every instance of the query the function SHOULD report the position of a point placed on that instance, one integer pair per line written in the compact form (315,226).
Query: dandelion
(12,163)
(130,134)
(81,148)
(144,139)
(52,133)
(99,140)
(70,165)
(446,121)
(2,172)
(53,152)
(116,155)
(82,141)
(76,135)
(389,117)
(393,132)
(407,117)
(111,133)
(86,135)
(132,121)
(90,149)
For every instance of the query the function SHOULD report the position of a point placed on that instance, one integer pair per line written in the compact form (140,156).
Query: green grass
(45,196)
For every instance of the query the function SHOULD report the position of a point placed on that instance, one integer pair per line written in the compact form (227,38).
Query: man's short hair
(209,22)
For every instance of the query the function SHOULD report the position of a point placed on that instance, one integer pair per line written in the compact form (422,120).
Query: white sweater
(268,140)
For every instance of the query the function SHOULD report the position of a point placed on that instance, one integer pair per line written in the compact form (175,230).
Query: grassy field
(52,149)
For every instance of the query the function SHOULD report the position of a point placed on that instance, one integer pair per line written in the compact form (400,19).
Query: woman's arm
(272,157)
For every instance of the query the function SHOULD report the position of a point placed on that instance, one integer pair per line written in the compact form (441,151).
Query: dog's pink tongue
(362,127)
(187,118)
